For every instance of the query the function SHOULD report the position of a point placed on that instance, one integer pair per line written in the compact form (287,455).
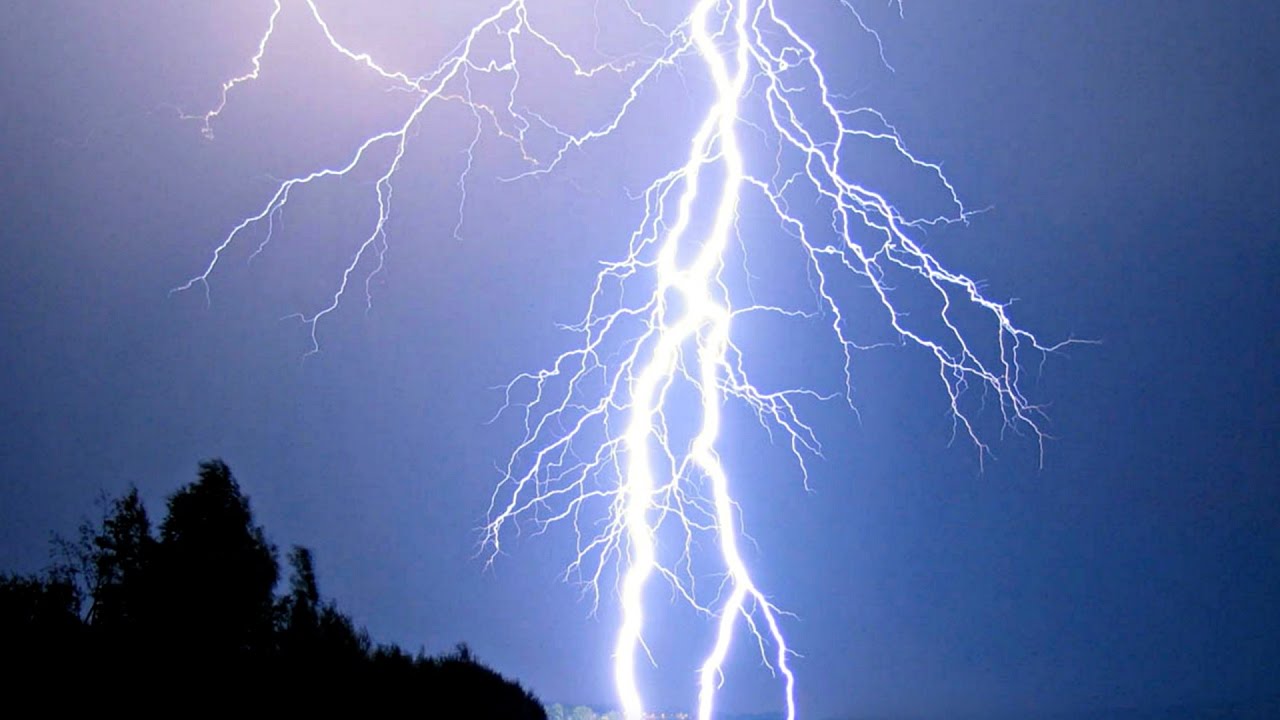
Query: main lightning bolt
(598,448)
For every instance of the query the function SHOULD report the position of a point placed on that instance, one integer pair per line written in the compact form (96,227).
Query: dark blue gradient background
(1128,151)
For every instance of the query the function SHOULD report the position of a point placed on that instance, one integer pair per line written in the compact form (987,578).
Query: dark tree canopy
(314,637)
(121,555)
(39,618)
(216,571)
(193,609)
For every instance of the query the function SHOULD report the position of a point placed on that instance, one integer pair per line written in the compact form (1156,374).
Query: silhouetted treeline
(191,606)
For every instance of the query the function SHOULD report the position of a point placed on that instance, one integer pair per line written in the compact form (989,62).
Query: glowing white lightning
(573,463)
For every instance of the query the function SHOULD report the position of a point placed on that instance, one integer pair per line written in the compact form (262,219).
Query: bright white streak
(548,476)
(702,314)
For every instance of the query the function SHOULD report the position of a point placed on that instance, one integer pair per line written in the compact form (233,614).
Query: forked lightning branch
(599,450)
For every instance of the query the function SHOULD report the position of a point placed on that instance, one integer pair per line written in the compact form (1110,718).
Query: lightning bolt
(599,447)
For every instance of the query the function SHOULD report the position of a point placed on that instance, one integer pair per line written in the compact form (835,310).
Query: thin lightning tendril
(598,449)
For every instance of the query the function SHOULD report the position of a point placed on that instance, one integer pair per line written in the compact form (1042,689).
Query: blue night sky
(1127,150)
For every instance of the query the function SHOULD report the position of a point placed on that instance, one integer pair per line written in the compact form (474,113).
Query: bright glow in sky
(767,79)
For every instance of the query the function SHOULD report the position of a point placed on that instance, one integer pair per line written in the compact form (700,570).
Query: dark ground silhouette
(191,609)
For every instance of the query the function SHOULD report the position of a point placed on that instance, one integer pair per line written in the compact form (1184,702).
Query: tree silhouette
(192,612)
(40,624)
(215,575)
(110,567)
(121,556)
(494,696)
(315,638)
